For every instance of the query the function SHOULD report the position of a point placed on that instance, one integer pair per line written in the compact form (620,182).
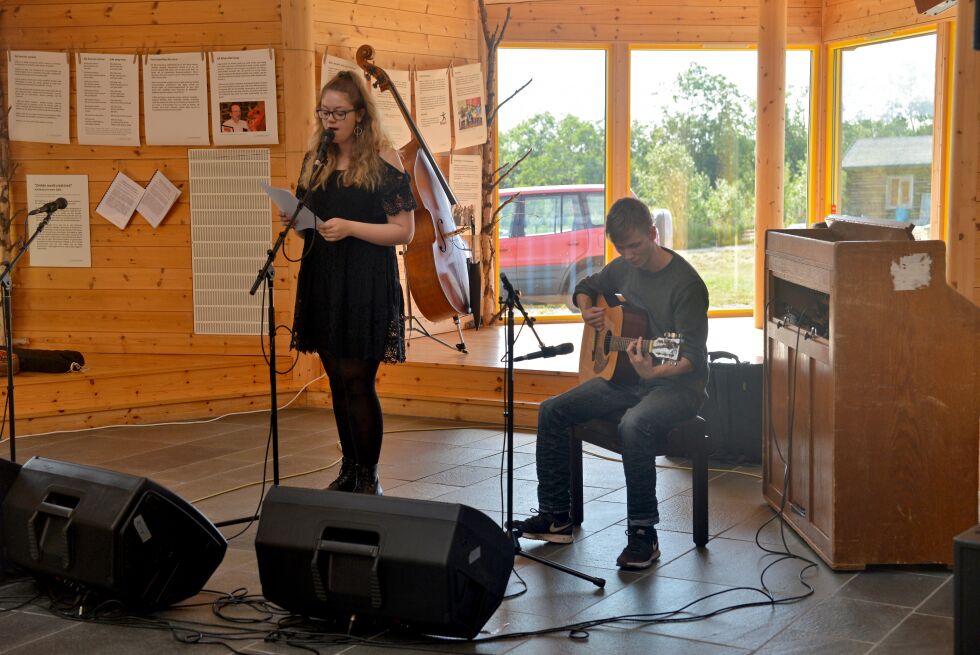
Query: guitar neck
(622,343)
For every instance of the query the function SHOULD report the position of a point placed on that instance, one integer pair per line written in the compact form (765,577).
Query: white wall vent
(230,235)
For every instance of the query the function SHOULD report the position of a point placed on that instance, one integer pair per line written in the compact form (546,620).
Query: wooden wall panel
(652,21)
(138,296)
(848,19)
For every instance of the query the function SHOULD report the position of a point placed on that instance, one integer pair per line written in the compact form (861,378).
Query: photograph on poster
(242,116)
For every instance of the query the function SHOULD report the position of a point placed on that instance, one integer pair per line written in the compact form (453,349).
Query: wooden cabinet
(870,395)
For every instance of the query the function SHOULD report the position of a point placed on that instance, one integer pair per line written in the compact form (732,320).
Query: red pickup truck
(552,236)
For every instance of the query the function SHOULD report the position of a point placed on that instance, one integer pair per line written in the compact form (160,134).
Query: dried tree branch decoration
(492,176)
(7,168)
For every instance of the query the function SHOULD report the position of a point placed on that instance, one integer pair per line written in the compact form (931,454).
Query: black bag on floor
(49,361)
(733,410)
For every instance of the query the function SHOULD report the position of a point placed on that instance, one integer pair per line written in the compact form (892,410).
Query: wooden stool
(688,438)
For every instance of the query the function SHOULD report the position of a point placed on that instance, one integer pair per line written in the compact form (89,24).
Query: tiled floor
(887,610)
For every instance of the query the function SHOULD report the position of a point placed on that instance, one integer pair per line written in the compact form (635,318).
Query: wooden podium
(870,394)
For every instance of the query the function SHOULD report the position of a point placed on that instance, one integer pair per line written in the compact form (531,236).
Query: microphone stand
(8,325)
(510,301)
(267,275)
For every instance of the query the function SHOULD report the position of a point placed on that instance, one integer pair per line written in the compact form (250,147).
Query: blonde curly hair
(365,165)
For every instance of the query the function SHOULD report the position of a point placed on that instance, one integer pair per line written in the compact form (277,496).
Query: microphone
(49,207)
(321,153)
(548,351)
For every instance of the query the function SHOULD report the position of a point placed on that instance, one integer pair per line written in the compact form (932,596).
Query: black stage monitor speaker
(8,473)
(124,536)
(966,592)
(433,568)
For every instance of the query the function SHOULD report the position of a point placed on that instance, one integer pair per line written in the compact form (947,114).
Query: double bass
(435,260)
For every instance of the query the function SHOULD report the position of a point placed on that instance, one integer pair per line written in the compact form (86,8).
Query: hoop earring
(358,130)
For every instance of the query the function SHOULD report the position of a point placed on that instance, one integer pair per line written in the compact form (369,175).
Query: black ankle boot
(346,478)
(367,480)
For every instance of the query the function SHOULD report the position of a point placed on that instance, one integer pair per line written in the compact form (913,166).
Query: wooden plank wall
(137,296)
(849,19)
(652,21)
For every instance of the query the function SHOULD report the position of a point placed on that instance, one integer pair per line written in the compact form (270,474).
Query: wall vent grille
(230,235)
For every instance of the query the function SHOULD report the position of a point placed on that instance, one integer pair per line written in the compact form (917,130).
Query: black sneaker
(641,550)
(546,527)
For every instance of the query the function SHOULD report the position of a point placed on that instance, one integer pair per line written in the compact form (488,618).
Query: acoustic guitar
(603,351)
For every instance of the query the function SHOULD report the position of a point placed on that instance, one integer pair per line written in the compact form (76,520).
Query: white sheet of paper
(108,101)
(66,242)
(243,97)
(159,197)
(286,202)
(434,115)
(37,90)
(175,99)
(120,200)
(468,103)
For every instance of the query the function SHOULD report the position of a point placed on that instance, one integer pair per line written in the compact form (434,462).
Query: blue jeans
(648,410)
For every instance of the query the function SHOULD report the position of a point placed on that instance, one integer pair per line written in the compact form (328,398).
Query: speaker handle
(366,551)
(345,548)
(47,510)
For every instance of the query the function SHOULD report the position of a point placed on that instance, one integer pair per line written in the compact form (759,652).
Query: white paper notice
(287,202)
(65,241)
(243,97)
(107,97)
(37,90)
(468,103)
(159,197)
(432,109)
(175,89)
(119,202)
(465,179)
(392,119)
(332,65)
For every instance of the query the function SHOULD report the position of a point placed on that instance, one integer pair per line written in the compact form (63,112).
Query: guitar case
(733,410)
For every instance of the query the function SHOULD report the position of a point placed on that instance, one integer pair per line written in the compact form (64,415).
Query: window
(884,140)
(898,191)
(693,160)
(796,167)
(561,119)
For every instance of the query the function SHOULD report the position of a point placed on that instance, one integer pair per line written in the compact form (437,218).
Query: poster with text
(175,102)
(332,65)
(392,119)
(465,179)
(243,97)
(37,94)
(107,100)
(65,240)
(468,102)
(433,113)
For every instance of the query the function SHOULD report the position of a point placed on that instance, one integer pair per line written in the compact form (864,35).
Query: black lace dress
(349,301)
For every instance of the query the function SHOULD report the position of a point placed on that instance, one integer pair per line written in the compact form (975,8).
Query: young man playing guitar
(674,298)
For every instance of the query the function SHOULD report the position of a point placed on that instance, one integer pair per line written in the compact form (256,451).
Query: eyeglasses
(338,114)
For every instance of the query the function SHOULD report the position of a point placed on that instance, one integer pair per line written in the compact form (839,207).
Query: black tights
(356,407)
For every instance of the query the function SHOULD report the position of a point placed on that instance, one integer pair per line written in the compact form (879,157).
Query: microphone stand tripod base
(510,302)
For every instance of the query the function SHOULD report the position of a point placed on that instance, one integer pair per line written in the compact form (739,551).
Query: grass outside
(728,271)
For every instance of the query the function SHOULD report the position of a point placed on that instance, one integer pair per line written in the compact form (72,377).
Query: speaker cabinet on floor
(124,536)
(434,568)
(8,473)
(966,592)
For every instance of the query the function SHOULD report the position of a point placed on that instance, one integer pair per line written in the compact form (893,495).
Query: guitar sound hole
(606,342)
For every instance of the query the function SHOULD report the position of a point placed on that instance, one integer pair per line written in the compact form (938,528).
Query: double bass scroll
(435,260)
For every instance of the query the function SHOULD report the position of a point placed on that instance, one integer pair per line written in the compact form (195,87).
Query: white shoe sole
(547,536)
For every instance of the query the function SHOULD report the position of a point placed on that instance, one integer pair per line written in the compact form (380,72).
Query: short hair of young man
(627,215)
